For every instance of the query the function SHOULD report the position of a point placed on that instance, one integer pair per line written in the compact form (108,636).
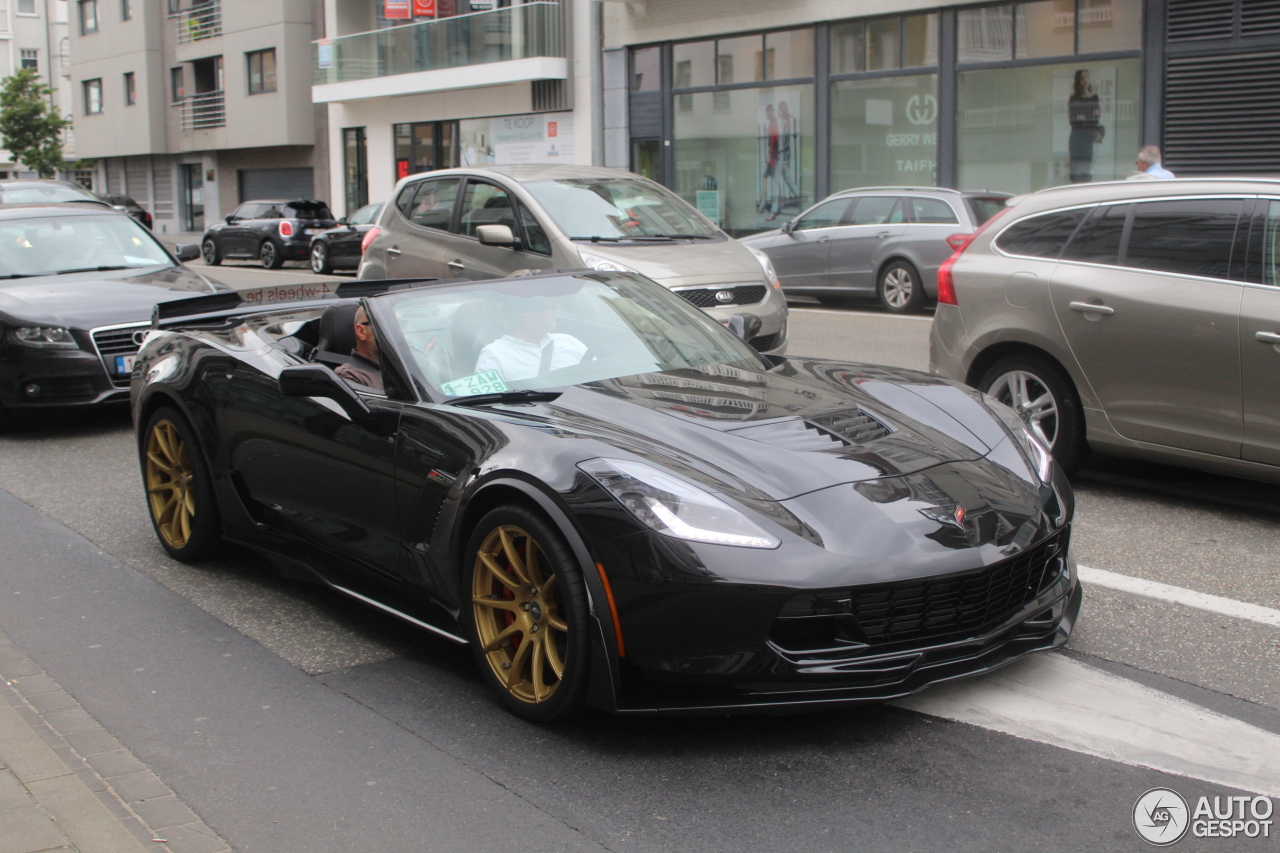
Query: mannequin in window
(1085,113)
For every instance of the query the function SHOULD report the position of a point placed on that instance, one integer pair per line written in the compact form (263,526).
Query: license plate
(311,231)
(124,364)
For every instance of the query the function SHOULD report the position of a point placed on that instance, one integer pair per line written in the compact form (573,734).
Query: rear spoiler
(220,306)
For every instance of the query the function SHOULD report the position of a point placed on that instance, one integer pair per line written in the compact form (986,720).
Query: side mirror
(231,217)
(186,251)
(788,226)
(745,326)
(317,380)
(342,221)
(496,235)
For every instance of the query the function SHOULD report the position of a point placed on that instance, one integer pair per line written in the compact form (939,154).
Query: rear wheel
(1043,396)
(180,497)
(320,264)
(900,289)
(528,614)
(209,251)
(269,256)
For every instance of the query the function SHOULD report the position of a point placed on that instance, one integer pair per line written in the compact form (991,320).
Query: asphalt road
(290,719)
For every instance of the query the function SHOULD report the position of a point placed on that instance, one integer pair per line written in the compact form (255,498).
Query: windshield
(40,193)
(303,210)
(52,245)
(617,209)
(549,332)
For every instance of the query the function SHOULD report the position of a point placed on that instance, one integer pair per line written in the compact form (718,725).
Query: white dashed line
(1179,595)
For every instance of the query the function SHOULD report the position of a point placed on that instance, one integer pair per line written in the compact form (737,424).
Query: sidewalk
(68,784)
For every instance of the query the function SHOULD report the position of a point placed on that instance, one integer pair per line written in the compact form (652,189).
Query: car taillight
(368,238)
(286,228)
(958,242)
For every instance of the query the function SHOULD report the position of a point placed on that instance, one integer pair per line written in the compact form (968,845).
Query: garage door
(276,183)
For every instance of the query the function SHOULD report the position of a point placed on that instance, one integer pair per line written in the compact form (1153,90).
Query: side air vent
(1200,20)
(855,427)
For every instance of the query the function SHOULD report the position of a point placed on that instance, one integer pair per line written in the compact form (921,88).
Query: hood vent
(823,432)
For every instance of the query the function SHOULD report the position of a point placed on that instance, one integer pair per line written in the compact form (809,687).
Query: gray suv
(886,242)
(1140,318)
(494,221)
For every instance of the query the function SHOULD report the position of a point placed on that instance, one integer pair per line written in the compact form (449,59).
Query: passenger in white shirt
(531,347)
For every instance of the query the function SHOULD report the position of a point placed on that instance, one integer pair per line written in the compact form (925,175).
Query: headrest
(337,329)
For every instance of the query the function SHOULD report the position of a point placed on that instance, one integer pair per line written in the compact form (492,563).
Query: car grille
(743,294)
(923,611)
(116,342)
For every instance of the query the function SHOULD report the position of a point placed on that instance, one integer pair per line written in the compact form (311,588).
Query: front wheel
(1043,396)
(269,256)
(528,614)
(900,289)
(209,251)
(320,264)
(179,488)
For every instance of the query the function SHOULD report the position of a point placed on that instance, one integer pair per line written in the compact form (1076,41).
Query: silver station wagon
(1141,318)
(494,221)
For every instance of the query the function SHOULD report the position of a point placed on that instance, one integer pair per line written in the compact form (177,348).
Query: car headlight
(1036,453)
(596,262)
(674,507)
(769,273)
(43,337)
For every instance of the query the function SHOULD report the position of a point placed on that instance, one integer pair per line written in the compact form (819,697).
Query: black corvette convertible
(611,497)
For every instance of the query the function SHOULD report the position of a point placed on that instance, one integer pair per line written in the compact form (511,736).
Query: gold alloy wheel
(517,614)
(170,483)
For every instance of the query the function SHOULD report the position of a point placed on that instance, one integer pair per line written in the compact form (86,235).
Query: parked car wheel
(1042,394)
(209,251)
(320,264)
(269,256)
(528,614)
(900,289)
(180,497)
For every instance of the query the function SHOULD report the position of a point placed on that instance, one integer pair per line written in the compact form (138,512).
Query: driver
(531,349)
(365,368)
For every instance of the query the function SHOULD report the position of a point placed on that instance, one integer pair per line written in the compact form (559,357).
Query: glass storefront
(884,132)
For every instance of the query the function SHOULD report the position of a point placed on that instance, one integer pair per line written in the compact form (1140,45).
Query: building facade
(754,109)
(428,84)
(33,34)
(193,108)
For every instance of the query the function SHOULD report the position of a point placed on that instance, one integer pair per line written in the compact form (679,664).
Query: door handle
(884,234)
(1090,308)
(456,266)
(393,251)
(1268,337)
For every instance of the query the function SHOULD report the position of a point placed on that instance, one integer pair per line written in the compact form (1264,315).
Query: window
(1098,241)
(877,210)
(932,211)
(884,44)
(31,59)
(88,17)
(92,96)
(535,236)
(355,167)
(262,71)
(26,7)
(1264,246)
(176,84)
(429,203)
(646,75)
(130,89)
(485,204)
(1041,236)
(126,10)
(826,215)
(425,146)
(1192,237)
(1047,28)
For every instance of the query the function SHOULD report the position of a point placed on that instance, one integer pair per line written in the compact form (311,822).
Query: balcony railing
(517,32)
(202,21)
(200,112)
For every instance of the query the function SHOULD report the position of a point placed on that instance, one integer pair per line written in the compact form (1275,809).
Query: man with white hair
(1149,163)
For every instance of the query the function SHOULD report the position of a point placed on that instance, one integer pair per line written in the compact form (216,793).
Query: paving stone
(26,830)
(82,818)
(136,787)
(118,763)
(71,720)
(92,742)
(8,651)
(34,685)
(58,700)
(12,794)
(12,669)
(164,812)
(193,838)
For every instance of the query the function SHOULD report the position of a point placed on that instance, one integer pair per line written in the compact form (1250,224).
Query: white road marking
(1055,700)
(928,318)
(1179,595)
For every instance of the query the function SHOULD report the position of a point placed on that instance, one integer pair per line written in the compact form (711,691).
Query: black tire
(1058,421)
(900,289)
(320,263)
(539,611)
(209,251)
(270,256)
(179,488)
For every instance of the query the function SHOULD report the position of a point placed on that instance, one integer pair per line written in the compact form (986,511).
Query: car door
(874,224)
(232,241)
(1143,296)
(419,244)
(802,256)
(1260,338)
(487,203)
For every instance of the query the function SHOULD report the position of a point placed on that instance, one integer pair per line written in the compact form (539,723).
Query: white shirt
(517,359)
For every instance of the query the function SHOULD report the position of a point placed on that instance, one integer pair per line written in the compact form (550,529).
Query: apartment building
(33,34)
(193,107)
(415,85)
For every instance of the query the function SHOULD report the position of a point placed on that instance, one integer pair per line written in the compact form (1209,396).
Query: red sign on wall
(424,8)
(551,128)
(395,9)
(402,169)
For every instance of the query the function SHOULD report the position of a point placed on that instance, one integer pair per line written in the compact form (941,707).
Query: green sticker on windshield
(489,382)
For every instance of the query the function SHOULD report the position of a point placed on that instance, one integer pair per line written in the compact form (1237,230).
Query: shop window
(424,146)
(694,64)
(985,34)
(884,131)
(884,44)
(1046,28)
(646,69)
(848,48)
(740,60)
(919,41)
(788,55)
(1110,25)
